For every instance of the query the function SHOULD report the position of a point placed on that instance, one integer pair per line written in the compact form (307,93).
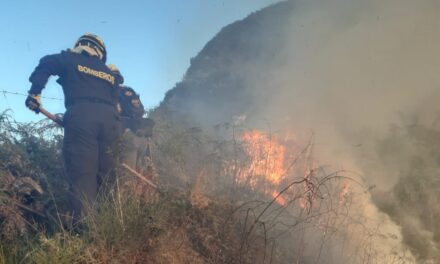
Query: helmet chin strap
(89,50)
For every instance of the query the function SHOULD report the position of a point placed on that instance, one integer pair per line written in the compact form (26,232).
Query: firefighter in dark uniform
(132,109)
(130,106)
(91,122)
(137,129)
(135,145)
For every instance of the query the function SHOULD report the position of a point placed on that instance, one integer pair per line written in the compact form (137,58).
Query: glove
(33,102)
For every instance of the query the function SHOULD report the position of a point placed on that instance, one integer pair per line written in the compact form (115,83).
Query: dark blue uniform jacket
(81,76)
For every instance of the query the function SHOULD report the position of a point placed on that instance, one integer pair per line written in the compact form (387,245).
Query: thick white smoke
(362,76)
(354,66)
(350,72)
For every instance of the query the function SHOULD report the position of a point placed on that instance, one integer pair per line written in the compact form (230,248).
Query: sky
(151,42)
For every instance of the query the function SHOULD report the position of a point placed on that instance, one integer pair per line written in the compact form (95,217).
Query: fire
(344,194)
(272,163)
(279,198)
(266,166)
(267,156)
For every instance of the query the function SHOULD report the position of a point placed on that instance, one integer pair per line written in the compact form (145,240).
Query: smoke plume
(361,75)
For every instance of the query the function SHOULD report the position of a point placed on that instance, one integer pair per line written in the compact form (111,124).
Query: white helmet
(94,42)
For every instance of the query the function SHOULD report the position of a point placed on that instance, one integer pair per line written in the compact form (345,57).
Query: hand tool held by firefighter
(33,102)
(52,117)
(140,176)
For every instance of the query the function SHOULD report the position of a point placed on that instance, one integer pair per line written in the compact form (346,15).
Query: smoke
(361,75)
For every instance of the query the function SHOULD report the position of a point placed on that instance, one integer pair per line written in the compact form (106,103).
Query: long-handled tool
(51,116)
(140,176)
(59,122)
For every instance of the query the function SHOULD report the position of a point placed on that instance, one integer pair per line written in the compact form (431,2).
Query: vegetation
(210,207)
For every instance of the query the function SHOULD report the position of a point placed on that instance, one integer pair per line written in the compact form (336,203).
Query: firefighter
(130,106)
(137,130)
(132,109)
(91,121)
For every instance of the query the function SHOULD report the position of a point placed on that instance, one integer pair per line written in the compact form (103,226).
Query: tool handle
(51,116)
(140,176)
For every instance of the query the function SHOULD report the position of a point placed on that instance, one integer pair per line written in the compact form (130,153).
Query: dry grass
(199,214)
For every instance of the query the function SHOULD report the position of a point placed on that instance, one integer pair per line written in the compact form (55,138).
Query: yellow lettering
(99,74)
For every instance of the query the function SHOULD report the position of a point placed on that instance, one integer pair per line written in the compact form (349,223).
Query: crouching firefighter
(138,130)
(91,121)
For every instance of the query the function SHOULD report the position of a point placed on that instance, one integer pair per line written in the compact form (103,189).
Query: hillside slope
(357,75)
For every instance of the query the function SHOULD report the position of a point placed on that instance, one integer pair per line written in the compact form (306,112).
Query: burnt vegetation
(212,206)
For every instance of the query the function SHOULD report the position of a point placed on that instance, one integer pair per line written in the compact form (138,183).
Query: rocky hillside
(351,72)
(219,82)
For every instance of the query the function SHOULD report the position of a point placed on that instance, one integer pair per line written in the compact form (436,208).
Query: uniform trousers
(90,149)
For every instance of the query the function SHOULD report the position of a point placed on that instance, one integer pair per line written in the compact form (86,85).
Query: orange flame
(269,165)
(280,199)
(344,194)
(267,156)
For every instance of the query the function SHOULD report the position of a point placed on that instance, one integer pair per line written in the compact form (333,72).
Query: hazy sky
(150,41)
